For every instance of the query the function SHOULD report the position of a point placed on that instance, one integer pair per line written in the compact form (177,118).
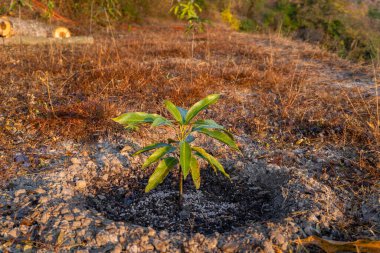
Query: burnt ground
(219,206)
(304,119)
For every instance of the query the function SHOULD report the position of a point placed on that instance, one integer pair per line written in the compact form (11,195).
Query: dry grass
(279,91)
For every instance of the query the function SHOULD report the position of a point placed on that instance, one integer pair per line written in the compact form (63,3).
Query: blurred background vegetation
(351,28)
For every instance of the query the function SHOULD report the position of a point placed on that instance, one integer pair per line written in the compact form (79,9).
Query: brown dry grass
(278,91)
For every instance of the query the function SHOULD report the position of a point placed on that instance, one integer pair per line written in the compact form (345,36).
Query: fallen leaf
(330,246)
(60,238)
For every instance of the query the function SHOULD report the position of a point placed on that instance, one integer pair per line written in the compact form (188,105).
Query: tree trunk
(29,40)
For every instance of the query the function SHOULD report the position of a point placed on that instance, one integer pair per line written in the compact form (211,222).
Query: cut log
(28,40)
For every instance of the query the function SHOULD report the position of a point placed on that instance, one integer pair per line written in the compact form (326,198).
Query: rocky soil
(93,201)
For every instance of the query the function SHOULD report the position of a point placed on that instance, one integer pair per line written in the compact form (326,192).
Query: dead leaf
(371,125)
(60,238)
(330,246)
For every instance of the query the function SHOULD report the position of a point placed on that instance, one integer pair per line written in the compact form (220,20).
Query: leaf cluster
(189,11)
(180,150)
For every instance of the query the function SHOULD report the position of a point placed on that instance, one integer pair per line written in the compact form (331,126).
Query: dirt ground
(305,120)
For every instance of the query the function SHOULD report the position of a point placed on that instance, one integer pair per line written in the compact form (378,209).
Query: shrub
(248,25)
(374,13)
(230,19)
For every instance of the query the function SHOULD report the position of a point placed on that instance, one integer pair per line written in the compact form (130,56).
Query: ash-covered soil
(220,205)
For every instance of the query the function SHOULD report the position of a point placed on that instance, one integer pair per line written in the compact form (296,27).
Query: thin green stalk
(180,197)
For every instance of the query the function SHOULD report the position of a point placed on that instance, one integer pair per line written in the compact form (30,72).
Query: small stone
(144,238)
(40,191)
(20,192)
(24,229)
(148,247)
(45,218)
(163,234)
(239,165)
(212,243)
(76,224)
(86,222)
(279,238)
(49,238)
(101,197)
(118,248)
(69,217)
(67,192)
(64,224)
(75,160)
(81,232)
(28,248)
(104,238)
(43,200)
(133,248)
(230,247)
(81,184)
(310,230)
(160,245)
(14,233)
(82,251)
(268,247)
(151,232)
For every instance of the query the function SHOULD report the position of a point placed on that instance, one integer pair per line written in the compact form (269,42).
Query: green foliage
(330,23)
(247,25)
(374,13)
(106,12)
(230,19)
(180,150)
(189,10)
(18,4)
(3,9)
(50,9)
(186,10)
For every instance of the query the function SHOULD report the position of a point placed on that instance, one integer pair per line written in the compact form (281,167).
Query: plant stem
(180,198)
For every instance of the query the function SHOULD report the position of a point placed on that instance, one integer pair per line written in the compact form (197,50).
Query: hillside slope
(348,28)
(304,119)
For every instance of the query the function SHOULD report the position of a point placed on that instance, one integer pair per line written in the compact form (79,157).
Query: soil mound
(219,206)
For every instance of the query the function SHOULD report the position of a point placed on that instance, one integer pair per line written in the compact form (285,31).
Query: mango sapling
(180,150)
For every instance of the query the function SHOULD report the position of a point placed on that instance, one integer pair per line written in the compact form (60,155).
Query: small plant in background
(180,150)
(48,13)
(230,19)
(189,11)
(19,4)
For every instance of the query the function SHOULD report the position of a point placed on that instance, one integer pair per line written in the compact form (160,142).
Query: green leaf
(208,123)
(199,8)
(201,105)
(175,111)
(190,138)
(150,147)
(220,136)
(195,172)
(215,164)
(157,155)
(160,173)
(134,118)
(183,112)
(170,140)
(185,156)
(161,122)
